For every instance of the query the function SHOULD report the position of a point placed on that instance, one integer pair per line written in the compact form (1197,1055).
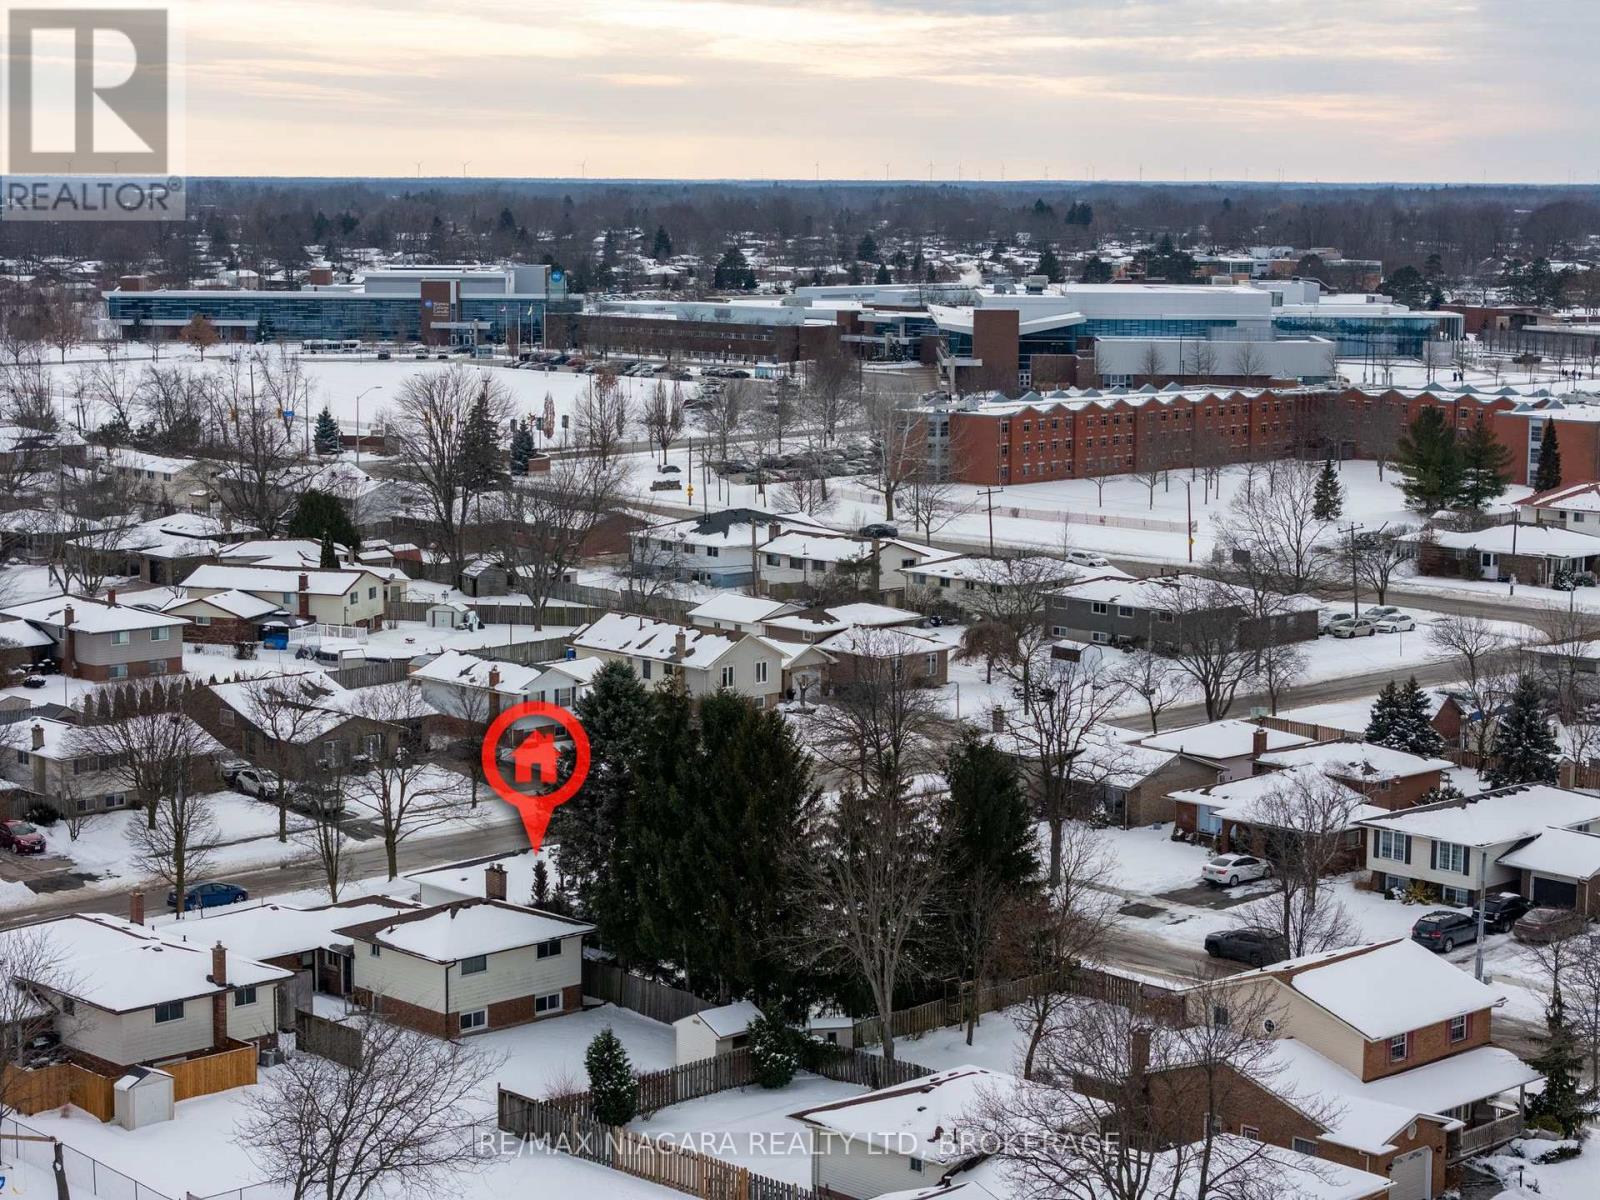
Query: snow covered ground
(1575,1179)
(547,1056)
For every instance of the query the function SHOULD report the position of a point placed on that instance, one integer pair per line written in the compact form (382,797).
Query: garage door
(1412,1176)
(1555,892)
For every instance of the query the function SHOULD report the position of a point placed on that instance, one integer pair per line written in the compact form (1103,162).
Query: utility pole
(1355,585)
(988,495)
(1477,958)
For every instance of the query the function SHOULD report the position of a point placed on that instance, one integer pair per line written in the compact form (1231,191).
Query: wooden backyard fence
(235,1067)
(658,1001)
(327,1039)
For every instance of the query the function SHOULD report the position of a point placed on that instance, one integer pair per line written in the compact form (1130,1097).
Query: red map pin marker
(535,760)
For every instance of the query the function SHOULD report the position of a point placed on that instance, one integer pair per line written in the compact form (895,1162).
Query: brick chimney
(1139,1051)
(774,529)
(680,645)
(136,908)
(494,694)
(38,736)
(1258,742)
(305,598)
(997,719)
(494,882)
(219,1000)
(68,658)
(111,597)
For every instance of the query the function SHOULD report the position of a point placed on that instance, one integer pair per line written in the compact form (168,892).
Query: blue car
(208,895)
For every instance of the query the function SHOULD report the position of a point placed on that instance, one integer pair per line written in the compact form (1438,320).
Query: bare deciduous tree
(1481,655)
(404,789)
(1154,679)
(401,1117)
(147,746)
(551,515)
(176,845)
(663,417)
(601,417)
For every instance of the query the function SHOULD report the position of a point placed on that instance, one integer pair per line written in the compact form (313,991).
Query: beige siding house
(707,661)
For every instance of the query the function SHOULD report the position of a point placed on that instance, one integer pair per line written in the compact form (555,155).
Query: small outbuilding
(144,1096)
(713,1031)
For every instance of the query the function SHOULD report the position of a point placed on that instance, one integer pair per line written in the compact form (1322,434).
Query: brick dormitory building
(1086,432)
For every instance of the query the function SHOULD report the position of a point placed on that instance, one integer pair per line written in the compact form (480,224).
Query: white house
(719,548)
(125,994)
(750,665)
(808,558)
(498,878)
(739,613)
(713,1031)
(469,966)
(1457,846)
(1231,747)
(965,580)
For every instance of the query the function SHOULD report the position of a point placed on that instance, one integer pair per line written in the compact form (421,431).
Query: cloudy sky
(1309,89)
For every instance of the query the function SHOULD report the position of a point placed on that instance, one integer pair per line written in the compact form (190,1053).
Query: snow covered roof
(1358,761)
(1222,739)
(833,547)
(293,708)
(730,527)
(1353,716)
(448,933)
(235,603)
(814,621)
(467,880)
(276,930)
(467,670)
(1493,818)
(1387,988)
(643,637)
(1573,497)
(1564,852)
(1116,757)
(224,577)
(20,633)
(997,572)
(728,1021)
(739,608)
(257,549)
(120,967)
(881,643)
(90,616)
(1250,800)
(1540,540)
(917,1118)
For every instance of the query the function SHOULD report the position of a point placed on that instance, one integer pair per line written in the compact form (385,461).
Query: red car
(21,838)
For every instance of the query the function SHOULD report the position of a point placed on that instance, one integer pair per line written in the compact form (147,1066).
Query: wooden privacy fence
(658,1001)
(30,1092)
(572,1131)
(1163,1004)
(326,1039)
(210,1073)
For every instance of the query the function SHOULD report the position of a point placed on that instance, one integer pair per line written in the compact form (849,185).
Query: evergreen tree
(1547,474)
(613,1091)
(521,448)
(320,515)
(1429,462)
(661,248)
(1095,270)
(1381,723)
(733,271)
(1327,501)
(1525,748)
(867,249)
(1485,467)
(329,557)
(774,1051)
(1563,1106)
(481,456)
(1405,286)
(1050,265)
(882,275)
(987,817)
(1413,722)
(326,436)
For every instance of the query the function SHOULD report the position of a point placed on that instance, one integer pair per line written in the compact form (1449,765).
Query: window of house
(170,1010)
(1219,1016)
(550,1003)
(478,1018)
(774,560)
(1302,1145)
(1124,610)
(915,1164)
(1399,1047)
(1099,609)
(1250,1132)
(644,669)
(120,671)
(931,664)
(373,949)
(1455,895)
(22,758)
(550,949)
(116,799)
(1100,636)
(68,1006)
(1389,844)
(476,965)
(1458,1028)
(372,593)
(712,552)
(201,620)
(163,634)
(727,676)
(761,672)
(1449,856)
(119,637)
(157,666)
(243,996)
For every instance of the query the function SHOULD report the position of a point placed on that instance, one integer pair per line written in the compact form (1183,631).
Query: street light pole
(1355,578)
(377,387)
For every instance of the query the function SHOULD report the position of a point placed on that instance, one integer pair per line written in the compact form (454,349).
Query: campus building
(438,305)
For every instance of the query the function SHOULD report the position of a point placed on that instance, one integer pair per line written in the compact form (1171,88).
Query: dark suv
(1501,910)
(1443,931)
(1258,947)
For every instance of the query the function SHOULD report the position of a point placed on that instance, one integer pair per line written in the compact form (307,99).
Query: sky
(1330,90)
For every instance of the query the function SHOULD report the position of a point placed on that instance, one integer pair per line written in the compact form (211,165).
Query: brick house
(1154,612)
(1560,867)
(1389,779)
(224,618)
(469,966)
(1534,554)
(1254,814)
(859,653)
(102,640)
(300,726)
(46,758)
(1385,1063)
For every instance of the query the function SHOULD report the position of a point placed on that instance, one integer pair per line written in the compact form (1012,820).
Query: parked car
(1361,627)
(1087,558)
(669,469)
(21,838)
(256,781)
(1442,931)
(34,681)
(1541,925)
(230,770)
(1501,911)
(1382,612)
(1258,947)
(1226,870)
(879,529)
(208,895)
(1328,617)
(1396,624)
